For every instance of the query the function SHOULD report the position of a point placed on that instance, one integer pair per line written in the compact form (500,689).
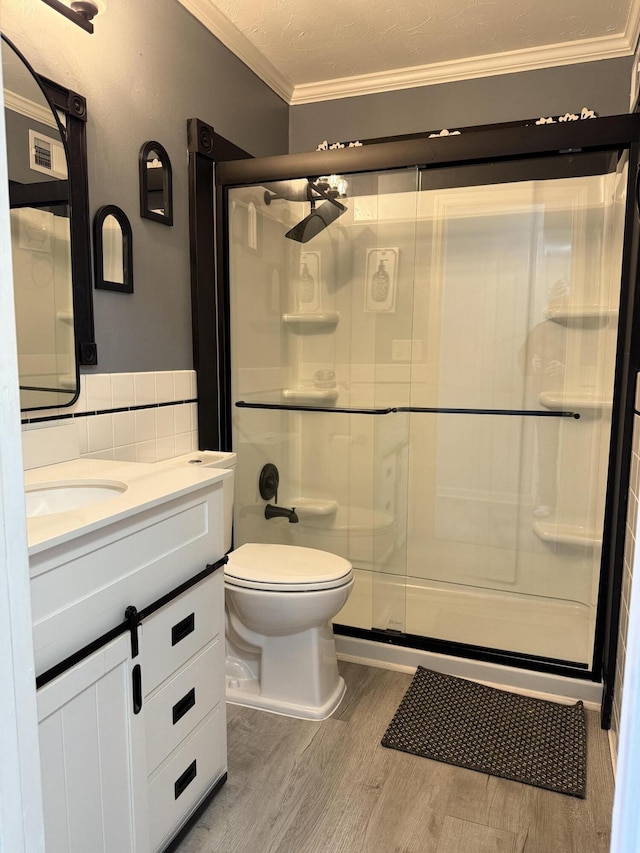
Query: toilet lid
(286,567)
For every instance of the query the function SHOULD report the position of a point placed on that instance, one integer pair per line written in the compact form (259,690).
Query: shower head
(319,218)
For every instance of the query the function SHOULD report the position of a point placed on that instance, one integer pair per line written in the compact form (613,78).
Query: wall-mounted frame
(113,250)
(156,190)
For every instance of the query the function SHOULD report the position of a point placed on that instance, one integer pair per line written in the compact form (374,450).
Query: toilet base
(246,692)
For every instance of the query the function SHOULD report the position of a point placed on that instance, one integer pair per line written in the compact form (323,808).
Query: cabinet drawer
(183,702)
(179,785)
(180,629)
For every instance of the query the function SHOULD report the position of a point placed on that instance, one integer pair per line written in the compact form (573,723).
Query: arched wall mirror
(156,192)
(48,213)
(113,250)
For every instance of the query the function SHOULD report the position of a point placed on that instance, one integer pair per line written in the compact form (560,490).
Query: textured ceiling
(309,43)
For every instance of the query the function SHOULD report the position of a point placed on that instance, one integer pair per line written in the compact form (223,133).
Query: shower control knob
(268,482)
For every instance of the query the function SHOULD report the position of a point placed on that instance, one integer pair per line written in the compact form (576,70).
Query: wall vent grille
(47,155)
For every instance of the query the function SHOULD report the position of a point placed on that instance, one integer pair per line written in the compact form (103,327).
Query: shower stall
(432,341)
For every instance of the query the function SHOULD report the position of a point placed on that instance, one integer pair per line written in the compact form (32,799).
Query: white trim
(490,65)
(613,750)
(222,28)
(28,108)
(625,828)
(539,684)
(21,819)
(635,79)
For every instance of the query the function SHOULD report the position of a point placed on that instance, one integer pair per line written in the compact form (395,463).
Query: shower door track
(502,657)
(437,410)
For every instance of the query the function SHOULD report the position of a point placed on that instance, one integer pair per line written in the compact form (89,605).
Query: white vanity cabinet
(92,756)
(133,736)
(128,628)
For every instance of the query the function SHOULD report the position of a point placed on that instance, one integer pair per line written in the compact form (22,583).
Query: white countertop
(148,485)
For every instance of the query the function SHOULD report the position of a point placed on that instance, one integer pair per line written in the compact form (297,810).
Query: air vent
(47,155)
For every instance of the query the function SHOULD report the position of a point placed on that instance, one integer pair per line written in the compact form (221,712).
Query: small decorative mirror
(113,248)
(155,184)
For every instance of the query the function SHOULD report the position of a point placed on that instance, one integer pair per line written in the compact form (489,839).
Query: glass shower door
(431,372)
(516,304)
(321,358)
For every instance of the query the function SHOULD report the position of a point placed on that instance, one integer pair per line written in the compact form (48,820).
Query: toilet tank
(214,459)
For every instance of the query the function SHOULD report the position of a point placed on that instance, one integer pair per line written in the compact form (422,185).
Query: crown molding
(490,65)
(222,28)
(19,104)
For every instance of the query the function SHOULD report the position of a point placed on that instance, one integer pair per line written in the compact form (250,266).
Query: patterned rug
(492,731)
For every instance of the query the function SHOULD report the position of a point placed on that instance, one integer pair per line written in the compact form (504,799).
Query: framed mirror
(113,250)
(46,156)
(156,193)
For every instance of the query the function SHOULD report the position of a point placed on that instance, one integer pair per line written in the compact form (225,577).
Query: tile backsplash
(136,417)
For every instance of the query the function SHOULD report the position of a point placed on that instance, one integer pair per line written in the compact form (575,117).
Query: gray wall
(147,68)
(150,66)
(602,86)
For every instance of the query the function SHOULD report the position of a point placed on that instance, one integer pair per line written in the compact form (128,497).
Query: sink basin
(49,498)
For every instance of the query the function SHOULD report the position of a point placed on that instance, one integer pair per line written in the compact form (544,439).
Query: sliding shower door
(427,356)
(321,298)
(517,291)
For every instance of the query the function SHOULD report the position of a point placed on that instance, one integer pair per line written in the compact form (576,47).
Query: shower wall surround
(133,417)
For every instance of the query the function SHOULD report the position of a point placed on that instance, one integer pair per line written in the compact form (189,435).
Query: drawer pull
(183,705)
(185,780)
(183,629)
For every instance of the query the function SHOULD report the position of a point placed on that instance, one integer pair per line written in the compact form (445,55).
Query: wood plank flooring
(298,786)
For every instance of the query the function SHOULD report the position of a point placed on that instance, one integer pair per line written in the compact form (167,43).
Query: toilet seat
(286,568)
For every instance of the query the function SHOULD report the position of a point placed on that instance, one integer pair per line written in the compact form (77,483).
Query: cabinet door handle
(136,678)
(183,628)
(185,780)
(183,705)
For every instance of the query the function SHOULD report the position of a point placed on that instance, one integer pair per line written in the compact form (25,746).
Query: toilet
(280,600)
(279,603)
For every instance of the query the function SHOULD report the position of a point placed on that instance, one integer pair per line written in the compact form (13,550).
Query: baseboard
(538,684)
(613,749)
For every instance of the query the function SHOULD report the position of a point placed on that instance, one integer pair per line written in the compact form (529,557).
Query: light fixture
(81,12)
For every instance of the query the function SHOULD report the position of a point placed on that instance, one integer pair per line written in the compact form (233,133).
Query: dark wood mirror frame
(158,181)
(126,286)
(74,133)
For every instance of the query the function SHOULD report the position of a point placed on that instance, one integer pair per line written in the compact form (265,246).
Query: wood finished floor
(297,786)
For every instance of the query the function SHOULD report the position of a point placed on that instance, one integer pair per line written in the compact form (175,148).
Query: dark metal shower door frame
(492,145)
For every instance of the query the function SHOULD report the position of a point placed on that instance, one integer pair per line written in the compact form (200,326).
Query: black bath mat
(482,728)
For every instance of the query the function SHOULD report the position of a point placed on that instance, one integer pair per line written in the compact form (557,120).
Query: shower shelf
(310,395)
(311,320)
(589,311)
(566,534)
(573,399)
(311,507)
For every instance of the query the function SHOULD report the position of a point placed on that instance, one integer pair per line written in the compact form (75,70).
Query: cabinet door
(93,757)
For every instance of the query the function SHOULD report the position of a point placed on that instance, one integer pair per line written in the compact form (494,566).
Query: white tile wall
(142,435)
